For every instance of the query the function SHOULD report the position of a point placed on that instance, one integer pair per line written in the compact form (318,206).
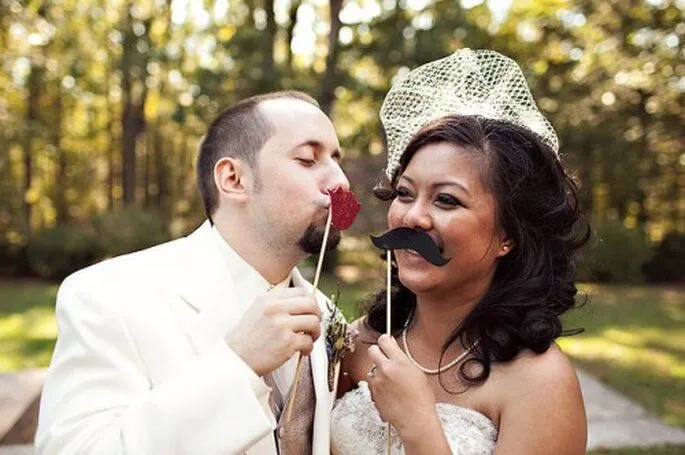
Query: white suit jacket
(139,368)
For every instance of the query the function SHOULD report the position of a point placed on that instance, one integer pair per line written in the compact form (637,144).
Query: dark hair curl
(537,206)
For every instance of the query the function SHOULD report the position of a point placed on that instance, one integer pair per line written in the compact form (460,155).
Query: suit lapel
(208,310)
(206,287)
(208,306)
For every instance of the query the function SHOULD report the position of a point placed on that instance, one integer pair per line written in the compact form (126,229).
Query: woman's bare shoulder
(542,391)
(529,370)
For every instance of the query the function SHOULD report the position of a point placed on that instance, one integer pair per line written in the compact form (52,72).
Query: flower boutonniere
(340,338)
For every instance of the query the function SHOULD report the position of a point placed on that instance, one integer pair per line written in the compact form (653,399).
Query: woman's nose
(418,217)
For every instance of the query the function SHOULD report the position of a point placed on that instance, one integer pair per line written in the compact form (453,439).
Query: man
(170,350)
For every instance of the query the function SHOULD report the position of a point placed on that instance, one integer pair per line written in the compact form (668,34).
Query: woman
(472,366)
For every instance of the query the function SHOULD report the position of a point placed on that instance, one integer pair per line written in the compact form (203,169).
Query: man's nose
(337,179)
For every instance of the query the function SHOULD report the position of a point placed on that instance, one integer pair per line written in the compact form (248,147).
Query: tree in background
(103,104)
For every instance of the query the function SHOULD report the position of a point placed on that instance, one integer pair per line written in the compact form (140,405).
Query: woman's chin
(418,282)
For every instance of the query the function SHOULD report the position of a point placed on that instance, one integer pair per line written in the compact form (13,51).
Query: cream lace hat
(468,82)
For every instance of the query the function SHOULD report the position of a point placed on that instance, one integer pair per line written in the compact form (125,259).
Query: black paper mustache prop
(404,238)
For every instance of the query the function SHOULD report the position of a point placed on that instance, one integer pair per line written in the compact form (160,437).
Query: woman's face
(441,192)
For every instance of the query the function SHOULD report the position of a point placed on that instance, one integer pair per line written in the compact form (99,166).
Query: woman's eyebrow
(451,183)
(439,184)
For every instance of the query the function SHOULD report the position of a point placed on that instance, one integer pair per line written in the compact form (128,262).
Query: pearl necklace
(428,370)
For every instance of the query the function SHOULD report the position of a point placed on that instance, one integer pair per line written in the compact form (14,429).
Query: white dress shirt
(250,284)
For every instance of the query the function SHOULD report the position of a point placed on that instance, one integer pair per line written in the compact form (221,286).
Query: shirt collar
(249,283)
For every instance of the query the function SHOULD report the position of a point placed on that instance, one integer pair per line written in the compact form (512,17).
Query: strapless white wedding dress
(356,427)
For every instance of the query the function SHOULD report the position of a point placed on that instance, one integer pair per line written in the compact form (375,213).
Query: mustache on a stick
(404,238)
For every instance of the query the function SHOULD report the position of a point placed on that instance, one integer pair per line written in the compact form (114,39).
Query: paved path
(25,449)
(614,421)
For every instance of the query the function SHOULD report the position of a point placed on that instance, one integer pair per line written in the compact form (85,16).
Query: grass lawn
(634,339)
(27,324)
(634,342)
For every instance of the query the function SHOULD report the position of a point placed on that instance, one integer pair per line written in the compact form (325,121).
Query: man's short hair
(240,131)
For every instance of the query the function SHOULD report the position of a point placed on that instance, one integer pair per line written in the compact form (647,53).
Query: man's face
(297,167)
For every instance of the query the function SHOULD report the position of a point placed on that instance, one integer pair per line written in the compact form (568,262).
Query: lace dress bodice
(356,427)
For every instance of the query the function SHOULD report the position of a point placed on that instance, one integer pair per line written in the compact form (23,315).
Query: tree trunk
(290,32)
(147,172)
(5,20)
(134,92)
(111,171)
(128,121)
(269,38)
(161,169)
(128,143)
(161,198)
(328,87)
(61,206)
(643,146)
(32,130)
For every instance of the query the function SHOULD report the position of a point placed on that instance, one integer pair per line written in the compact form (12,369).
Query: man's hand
(278,324)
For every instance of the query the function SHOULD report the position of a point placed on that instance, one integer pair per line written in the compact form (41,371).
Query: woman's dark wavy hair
(537,206)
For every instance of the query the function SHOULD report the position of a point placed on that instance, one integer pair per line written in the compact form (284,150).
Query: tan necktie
(295,437)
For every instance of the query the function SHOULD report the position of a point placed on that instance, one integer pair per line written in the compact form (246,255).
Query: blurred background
(103,104)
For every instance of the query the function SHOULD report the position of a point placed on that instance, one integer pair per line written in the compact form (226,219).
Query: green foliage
(95,94)
(55,253)
(128,229)
(13,259)
(615,255)
(668,263)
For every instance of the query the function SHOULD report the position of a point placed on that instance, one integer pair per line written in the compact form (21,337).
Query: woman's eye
(447,199)
(402,192)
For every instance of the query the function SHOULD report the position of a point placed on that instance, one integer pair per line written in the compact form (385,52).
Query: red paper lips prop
(344,208)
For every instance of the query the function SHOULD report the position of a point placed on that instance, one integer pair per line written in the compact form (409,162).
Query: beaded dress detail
(356,427)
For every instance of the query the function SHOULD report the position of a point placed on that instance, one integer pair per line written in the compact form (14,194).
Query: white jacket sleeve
(97,398)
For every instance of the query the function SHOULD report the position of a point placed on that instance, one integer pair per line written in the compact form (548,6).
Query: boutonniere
(340,338)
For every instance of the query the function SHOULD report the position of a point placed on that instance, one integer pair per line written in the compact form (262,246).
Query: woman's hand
(402,393)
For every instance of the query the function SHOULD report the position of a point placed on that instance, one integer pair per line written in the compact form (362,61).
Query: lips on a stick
(342,212)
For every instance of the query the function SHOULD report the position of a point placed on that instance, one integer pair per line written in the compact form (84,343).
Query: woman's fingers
(390,348)
(376,355)
(378,364)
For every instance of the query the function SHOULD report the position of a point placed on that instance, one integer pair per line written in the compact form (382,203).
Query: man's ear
(230,179)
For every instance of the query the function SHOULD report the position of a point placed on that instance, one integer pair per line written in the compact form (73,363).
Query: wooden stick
(326,231)
(388,314)
(317,275)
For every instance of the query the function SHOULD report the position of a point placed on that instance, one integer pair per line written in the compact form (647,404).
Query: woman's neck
(437,315)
